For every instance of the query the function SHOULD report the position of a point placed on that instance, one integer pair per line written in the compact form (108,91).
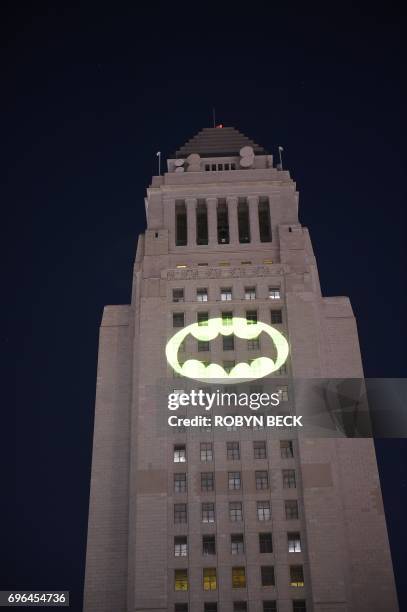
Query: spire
(218,142)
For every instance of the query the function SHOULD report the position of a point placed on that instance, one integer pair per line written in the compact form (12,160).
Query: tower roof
(218,142)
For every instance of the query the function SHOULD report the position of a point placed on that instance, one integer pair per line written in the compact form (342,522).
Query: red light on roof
(220,125)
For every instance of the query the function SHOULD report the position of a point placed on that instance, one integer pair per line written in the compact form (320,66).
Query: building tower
(187,518)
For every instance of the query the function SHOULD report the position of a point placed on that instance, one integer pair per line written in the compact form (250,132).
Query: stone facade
(344,556)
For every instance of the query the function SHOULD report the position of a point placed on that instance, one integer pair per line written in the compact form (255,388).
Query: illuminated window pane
(237,544)
(208,512)
(226,294)
(180,453)
(234,481)
(296,576)
(238,577)
(180,546)
(209,579)
(235,511)
(206,451)
(286,449)
(227,318)
(181,580)
(202,295)
(250,293)
(274,293)
(263,510)
(294,542)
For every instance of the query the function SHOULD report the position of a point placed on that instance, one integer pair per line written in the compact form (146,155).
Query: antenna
(159,162)
(214,117)
(280,150)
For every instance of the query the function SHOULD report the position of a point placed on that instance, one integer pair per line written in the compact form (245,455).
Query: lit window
(294,542)
(228,343)
(209,579)
(299,605)
(235,511)
(232,450)
(180,513)
(178,319)
(181,580)
(239,606)
(289,481)
(276,316)
(267,261)
(251,317)
(238,577)
(207,481)
(274,293)
(286,449)
(270,606)
(202,295)
(208,545)
(291,509)
(203,346)
(266,542)
(250,293)
(226,294)
(263,510)
(180,453)
(227,318)
(296,576)
(224,263)
(259,449)
(234,481)
(262,479)
(236,544)
(180,483)
(267,575)
(202,318)
(180,546)
(177,295)
(206,451)
(208,512)
(253,344)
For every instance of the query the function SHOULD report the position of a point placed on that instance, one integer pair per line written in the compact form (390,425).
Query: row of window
(233,451)
(298,605)
(220,263)
(239,581)
(178,318)
(222,222)
(226,294)
(263,509)
(220,167)
(261,478)
(237,545)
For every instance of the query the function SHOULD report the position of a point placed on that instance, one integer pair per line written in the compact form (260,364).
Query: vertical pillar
(211,204)
(232,216)
(253,203)
(191,221)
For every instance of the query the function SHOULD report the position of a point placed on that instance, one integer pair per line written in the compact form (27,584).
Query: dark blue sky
(90,94)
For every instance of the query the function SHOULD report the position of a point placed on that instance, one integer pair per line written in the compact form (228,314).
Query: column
(253,203)
(191,221)
(232,216)
(211,204)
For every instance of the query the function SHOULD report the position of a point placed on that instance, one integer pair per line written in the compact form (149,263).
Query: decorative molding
(232,272)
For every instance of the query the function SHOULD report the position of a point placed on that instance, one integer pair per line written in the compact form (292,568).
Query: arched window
(243,220)
(201,223)
(264,220)
(223,222)
(180,223)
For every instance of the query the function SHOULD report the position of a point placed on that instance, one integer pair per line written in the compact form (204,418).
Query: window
(208,545)
(283,393)
(180,546)
(286,449)
(243,220)
(266,542)
(235,511)
(206,451)
(226,294)
(296,576)
(180,453)
(202,295)
(276,316)
(299,605)
(267,575)
(201,223)
(251,317)
(291,509)
(234,481)
(181,580)
(209,579)
(259,449)
(239,606)
(208,512)
(262,479)
(269,606)
(180,483)
(181,607)
(228,365)
(289,479)
(202,346)
(274,293)
(294,542)
(282,369)
(223,222)
(264,220)
(263,510)
(180,223)
(232,426)
(211,606)
(253,344)
(177,295)
(207,481)
(236,544)
(228,343)
(227,318)
(202,318)
(232,450)
(178,319)
(238,577)
(250,293)
(180,513)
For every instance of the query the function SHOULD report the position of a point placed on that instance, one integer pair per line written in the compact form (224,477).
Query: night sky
(89,96)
